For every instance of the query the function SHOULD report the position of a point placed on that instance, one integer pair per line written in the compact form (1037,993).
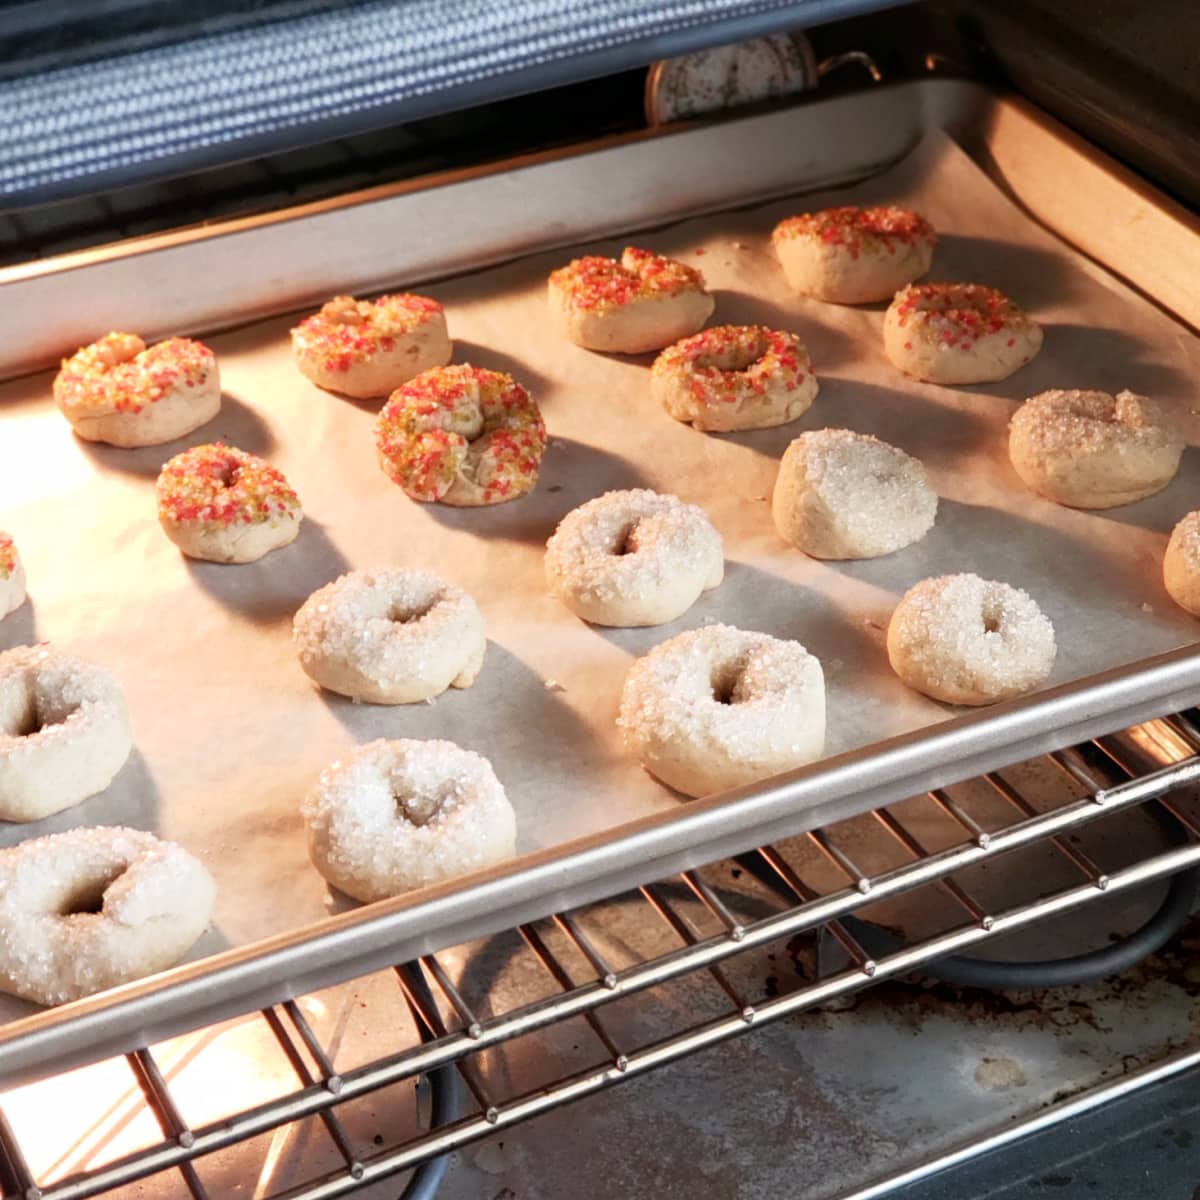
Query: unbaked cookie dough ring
(1181,564)
(734,377)
(393,816)
(842,495)
(958,333)
(719,708)
(462,435)
(12,577)
(1088,449)
(643,302)
(854,255)
(390,636)
(64,732)
(365,348)
(90,909)
(966,640)
(223,505)
(121,392)
(633,558)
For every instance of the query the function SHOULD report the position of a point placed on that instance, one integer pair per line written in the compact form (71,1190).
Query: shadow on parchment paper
(236,425)
(911,419)
(1162,511)
(270,590)
(132,799)
(828,346)
(571,473)
(508,715)
(1099,357)
(19,628)
(521,369)
(1033,277)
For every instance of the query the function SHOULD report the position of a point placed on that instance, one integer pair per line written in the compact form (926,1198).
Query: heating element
(1078,828)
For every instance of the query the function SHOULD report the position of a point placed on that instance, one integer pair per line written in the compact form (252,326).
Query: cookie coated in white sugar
(633,558)
(392,816)
(64,732)
(390,636)
(842,495)
(1089,449)
(90,909)
(966,640)
(718,708)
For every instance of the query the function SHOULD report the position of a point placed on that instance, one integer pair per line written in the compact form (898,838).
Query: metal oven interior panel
(359,941)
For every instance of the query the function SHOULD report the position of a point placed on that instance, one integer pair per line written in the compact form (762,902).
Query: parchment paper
(230,733)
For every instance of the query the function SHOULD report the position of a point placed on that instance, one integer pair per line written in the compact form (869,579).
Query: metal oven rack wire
(455,1025)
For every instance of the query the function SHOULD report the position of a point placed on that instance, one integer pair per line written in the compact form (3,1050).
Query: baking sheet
(229,731)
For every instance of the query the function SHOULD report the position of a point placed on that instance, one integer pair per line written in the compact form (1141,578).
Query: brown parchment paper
(230,733)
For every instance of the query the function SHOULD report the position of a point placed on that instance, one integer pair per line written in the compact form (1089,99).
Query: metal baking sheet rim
(236,981)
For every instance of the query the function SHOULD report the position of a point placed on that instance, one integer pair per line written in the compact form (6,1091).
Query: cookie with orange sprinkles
(956,333)
(643,301)
(366,348)
(12,576)
(221,504)
(735,377)
(461,435)
(121,391)
(853,255)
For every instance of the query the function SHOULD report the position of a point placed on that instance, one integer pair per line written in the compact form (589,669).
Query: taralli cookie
(633,558)
(718,708)
(954,333)
(12,577)
(848,495)
(119,391)
(64,732)
(394,816)
(224,505)
(1093,450)
(367,348)
(735,377)
(462,435)
(967,640)
(90,909)
(390,636)
(854,255)
(643,302)
(1181,564)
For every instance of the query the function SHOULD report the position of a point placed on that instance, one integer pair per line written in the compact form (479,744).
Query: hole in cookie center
(626,542)
(733,359)
(406,614)
(88,897)
(724,686)
(226,475)
(417,809)
(27,721)
(991,621)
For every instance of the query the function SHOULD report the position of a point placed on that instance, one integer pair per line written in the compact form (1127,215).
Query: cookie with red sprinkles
(643,301)
(735,377)
(219,503)
(852,255)
(958,333)
(121,391)
(368,348)
(461,435)
(12,576)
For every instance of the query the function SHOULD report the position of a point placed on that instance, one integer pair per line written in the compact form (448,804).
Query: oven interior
(964,971)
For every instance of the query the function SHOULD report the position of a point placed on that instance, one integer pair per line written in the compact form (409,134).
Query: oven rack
(455,1026)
